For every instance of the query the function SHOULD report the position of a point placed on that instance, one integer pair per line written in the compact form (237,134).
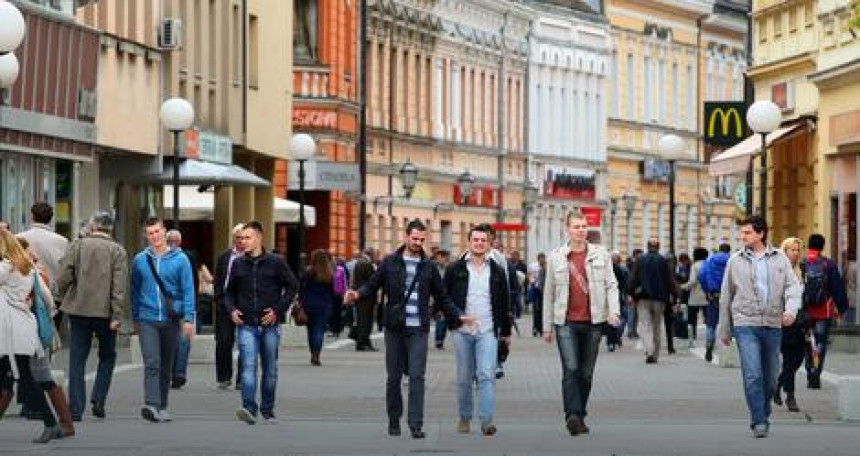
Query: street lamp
(465,183)
(408,177)
(177,115)
(671,147)
(302,148)
(630,200)
(9,69)
(708,206)
(613,208)
(763,117)
(531,193)
(12,27)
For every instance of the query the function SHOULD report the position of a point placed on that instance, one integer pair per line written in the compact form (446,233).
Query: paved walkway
(680,406)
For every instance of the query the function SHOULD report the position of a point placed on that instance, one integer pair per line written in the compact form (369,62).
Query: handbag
(298,313)
(44,323)
(172,314)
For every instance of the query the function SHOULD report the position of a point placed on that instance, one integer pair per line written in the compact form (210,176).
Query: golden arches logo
(726,116)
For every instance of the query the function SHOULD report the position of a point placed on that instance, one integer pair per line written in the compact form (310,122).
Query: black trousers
(364,325)
(793,352)
(537,315)
(35,396)
(225,337)
(406,351)
(669,323)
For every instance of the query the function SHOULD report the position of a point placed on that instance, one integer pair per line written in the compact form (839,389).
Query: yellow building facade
(669,57)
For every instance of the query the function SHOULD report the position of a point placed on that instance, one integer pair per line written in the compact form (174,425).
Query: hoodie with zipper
(147,301)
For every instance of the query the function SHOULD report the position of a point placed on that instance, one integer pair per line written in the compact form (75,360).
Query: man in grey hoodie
(760,295)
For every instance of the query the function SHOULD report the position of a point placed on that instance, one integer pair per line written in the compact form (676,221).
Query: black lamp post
(177,115)
(671,147)
(302,148)
(465,182)
(630,200)
(613,209)
(531,193)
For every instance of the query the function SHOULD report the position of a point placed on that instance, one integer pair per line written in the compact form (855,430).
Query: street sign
(740,196)
(343,177)
(725,123)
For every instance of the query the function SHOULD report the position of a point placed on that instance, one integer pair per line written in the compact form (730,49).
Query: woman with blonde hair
(793,337)
(19,338)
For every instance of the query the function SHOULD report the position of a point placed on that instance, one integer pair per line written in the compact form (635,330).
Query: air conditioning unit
(170,34)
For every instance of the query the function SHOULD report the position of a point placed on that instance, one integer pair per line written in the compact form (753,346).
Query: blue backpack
(711,273)
(43,319)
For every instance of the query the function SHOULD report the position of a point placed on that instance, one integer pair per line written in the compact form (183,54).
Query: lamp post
(302,148)
(531,193)
(465,183)
(763,117)
(630,200)
(408,178)
(177,115)
(613,208)
(708,206)
(671,147)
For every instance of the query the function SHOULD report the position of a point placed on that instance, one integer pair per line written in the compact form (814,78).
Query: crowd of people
(778,304)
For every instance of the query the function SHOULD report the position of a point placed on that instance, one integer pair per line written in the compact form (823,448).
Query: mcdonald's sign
(725,123)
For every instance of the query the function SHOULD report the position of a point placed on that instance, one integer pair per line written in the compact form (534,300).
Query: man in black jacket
(477,286)
(408,279)
(259,290)
(225,329)
(653,284)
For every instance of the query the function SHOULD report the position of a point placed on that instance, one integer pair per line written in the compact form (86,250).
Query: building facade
(569,68)
(668,58)
(446,93)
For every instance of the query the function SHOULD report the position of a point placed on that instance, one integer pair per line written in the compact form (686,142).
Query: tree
(854,22)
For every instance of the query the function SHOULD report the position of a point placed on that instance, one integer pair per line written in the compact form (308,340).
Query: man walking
(824,299)
(179,376)
(652,283)
(92,283)
(259,291)
(162,305)
(362,271)
(225,329)
(759,295)
(581,294)
(477,286)
(409,279)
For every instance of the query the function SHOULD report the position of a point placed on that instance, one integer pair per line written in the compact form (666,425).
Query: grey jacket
(740,304)
(602,286)
(92,280)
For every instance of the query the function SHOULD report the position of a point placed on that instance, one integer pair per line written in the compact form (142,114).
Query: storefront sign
(845,128)
(208,146)
(724,123)
(481,196)
(656,169)
(314,118)
(569,183)
(344,177)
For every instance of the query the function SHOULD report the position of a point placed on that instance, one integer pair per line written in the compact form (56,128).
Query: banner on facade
(569,183)
(481,196)
(725,123)
(592,215)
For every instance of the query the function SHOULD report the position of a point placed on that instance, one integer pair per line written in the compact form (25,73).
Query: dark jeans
(225,337)
(441,330)
(613,336)
(693,318)
(317,320)
(815,354)
(537,315)
(81,339)
(406,350)
(364,323)
(669,326)
(158,341)
(633,320)
(578,344)
(793,351)
(36,400)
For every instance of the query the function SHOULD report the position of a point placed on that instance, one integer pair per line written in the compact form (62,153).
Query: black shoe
(791,403)
(777,397)
(813,382)
(178,383)
(393,428)
(417,433)
(709,353)
(440,346)
(650,360)
(98,410)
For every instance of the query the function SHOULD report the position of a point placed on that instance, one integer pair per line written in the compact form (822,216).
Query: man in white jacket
(580,296)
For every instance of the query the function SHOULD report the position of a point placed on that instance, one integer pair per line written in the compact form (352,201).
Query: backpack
(815,289)
(44,324)
(711,273)
(340,280)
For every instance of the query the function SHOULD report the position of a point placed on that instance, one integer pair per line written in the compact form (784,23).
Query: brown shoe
(5,399)
(64,415)
(572,427)
(315,359)
(488,429)
(463,426)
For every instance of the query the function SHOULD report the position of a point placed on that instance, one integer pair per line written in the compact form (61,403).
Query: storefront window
(25,180)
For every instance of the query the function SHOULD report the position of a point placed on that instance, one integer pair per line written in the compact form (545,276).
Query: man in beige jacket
(92,283)
(580,296)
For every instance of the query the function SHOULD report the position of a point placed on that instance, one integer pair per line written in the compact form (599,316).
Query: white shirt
(478,299)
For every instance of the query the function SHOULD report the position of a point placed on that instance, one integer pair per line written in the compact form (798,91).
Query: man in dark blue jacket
(653,284)
(259,290)
(408,278)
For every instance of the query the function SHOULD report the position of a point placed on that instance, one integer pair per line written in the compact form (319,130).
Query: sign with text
(208,146)
(569,183)
(725,123)
(343,177)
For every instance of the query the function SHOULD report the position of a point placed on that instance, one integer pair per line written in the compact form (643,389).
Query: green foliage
(854,22)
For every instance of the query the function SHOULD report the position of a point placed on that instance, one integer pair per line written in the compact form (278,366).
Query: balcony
(310,81)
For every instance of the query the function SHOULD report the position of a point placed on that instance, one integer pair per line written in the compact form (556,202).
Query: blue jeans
(821,330)
(259,341)
(441,330)
(759,349)
(183,351)
(81,334)
(578,344)
(476,360)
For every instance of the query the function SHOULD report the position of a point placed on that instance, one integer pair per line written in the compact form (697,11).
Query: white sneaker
(164,415)
(245,415)
(149,413)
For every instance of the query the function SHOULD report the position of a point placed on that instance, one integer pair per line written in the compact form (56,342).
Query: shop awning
(199,206)
(736,159)
(197,172)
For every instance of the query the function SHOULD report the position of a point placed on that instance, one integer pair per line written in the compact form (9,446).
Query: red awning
(509,226)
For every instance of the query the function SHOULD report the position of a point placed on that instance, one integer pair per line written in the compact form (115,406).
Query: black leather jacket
(457,284)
